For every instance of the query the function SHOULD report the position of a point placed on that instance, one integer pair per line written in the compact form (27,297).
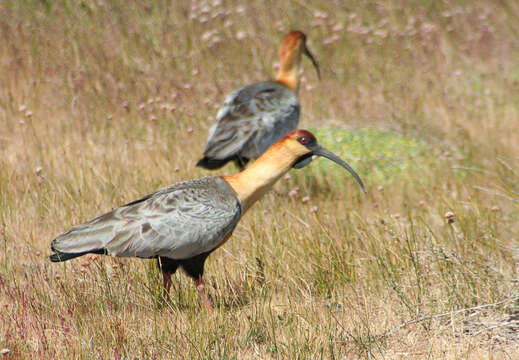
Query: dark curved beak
(314,62)
(320,151)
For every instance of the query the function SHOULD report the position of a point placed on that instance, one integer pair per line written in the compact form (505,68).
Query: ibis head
(293,46)
(308,146)
(294,150)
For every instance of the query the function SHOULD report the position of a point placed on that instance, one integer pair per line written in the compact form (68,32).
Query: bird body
(182,224)
(197,214)
(251,119)
(255,116)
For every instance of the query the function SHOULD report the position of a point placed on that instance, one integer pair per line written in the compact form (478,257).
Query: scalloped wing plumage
(251,119)
(178,222)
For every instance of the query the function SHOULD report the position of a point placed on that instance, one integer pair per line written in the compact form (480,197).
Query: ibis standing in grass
(182,224)
(255,116)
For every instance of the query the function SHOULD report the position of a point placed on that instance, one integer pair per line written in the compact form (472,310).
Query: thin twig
(438,316)
(505,164)
(457,167)
(498,325)
(495,192)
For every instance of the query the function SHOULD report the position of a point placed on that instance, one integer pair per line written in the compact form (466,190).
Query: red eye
(303,140)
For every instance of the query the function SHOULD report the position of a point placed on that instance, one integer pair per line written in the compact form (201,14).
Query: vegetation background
(104,101)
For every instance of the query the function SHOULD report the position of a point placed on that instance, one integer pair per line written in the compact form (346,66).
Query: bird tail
(88,238)
(61,256)
(212,164)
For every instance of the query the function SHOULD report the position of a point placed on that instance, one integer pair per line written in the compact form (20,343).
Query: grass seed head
(449,216)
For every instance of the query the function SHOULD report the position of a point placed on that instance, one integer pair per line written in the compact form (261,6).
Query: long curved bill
(314,62)
(320,151)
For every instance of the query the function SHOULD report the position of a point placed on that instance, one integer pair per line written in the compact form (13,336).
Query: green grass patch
(377,155)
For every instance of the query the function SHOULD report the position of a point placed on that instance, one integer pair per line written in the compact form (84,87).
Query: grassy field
(102,102)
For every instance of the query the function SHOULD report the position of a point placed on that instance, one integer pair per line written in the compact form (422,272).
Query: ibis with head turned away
(255,116)
(182,224)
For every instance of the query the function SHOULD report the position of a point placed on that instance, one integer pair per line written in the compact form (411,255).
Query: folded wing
(177,222)
(251,119)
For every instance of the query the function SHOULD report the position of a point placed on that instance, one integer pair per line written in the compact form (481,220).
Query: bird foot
(200,285)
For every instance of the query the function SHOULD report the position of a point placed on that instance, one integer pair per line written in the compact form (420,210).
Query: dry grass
(104,101)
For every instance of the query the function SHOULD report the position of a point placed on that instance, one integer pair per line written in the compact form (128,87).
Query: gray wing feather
(177,222)
(251,119)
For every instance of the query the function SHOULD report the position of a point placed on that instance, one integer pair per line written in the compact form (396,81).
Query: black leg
(194,267)
(168,268)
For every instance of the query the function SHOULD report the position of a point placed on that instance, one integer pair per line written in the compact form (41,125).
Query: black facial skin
(316,149)
(306,140)
(302,161)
